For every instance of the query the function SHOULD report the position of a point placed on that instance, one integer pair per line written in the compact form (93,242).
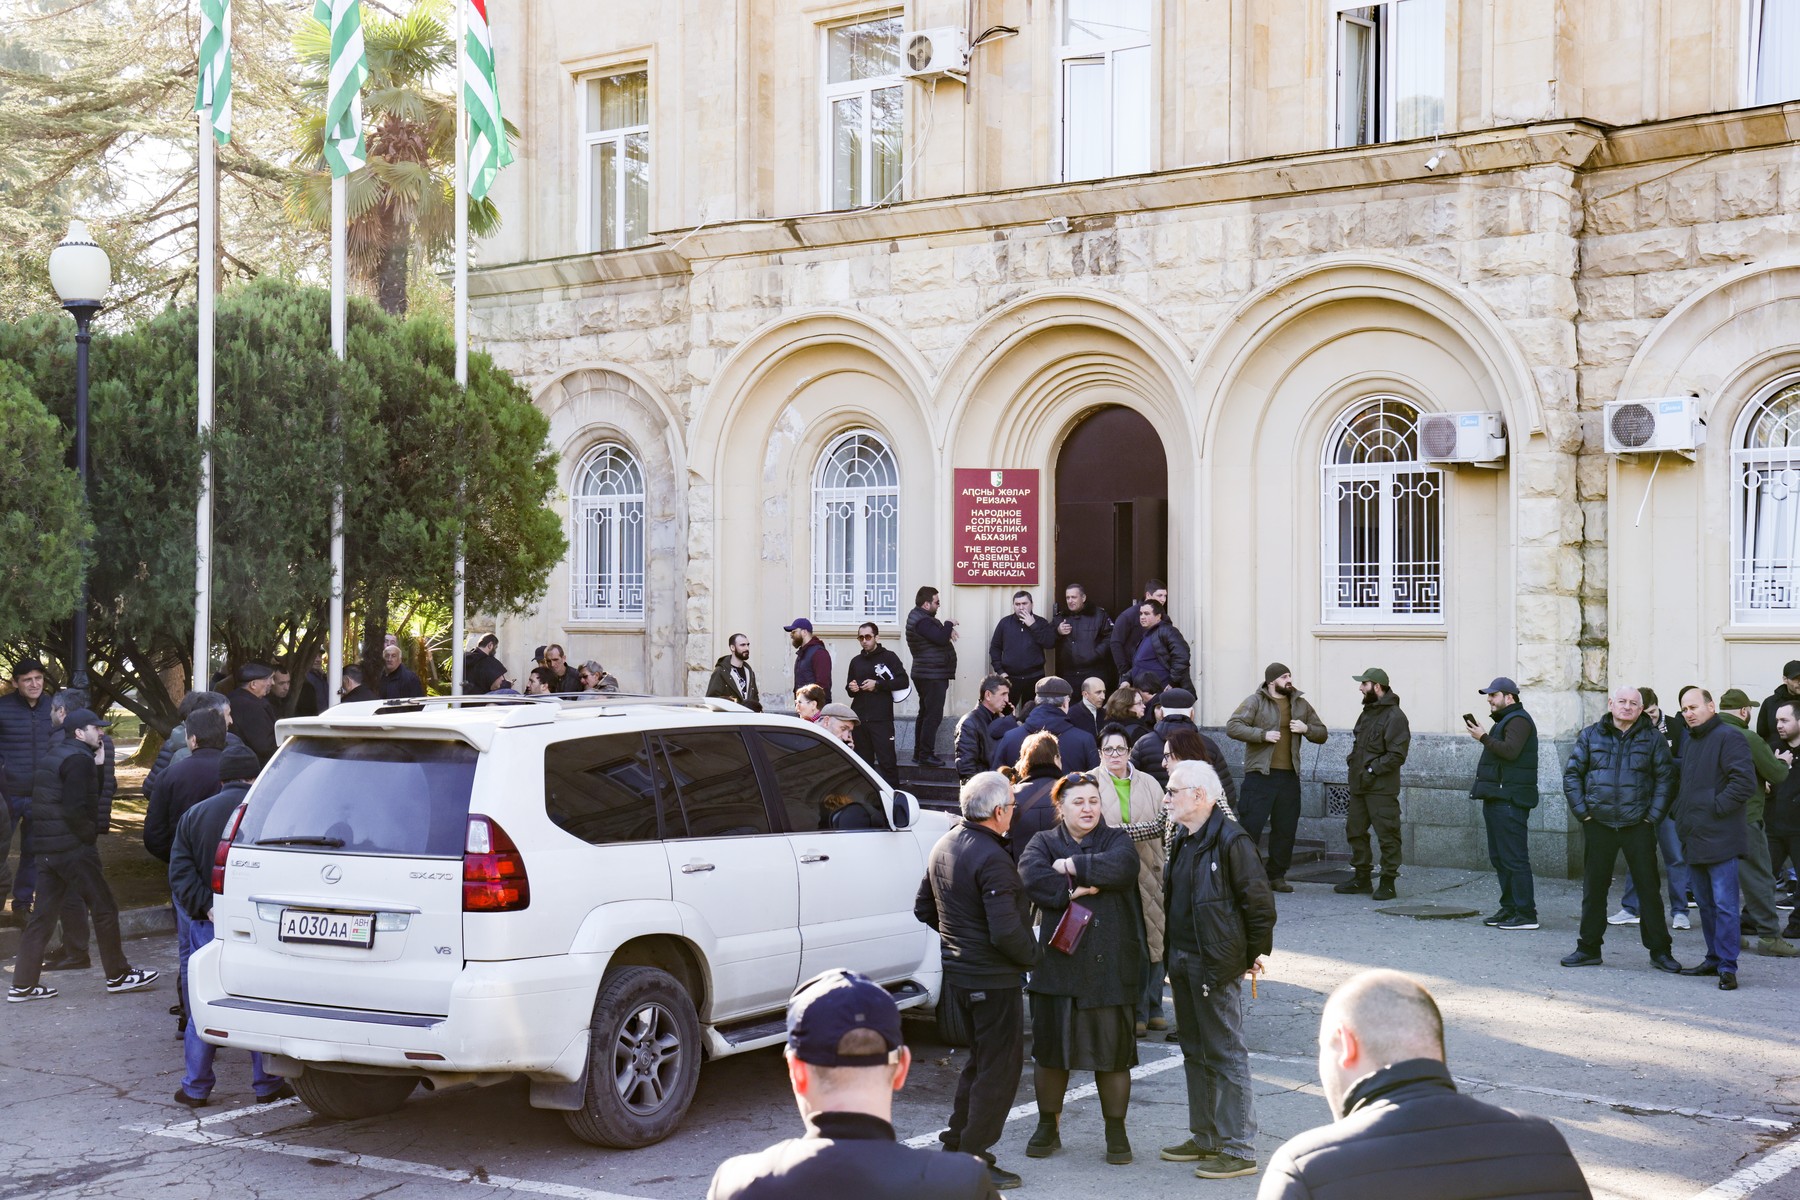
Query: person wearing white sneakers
(66,821)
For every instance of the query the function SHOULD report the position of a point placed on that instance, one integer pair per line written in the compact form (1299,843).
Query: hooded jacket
(723,686)
(1619,779)
(1379,747)
(1717,777)
(1259,714)
(1077,748)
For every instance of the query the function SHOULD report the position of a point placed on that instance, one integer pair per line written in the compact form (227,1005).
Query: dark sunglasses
(1075,777)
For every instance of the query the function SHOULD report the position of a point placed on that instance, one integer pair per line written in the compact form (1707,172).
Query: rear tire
(952,1030)
(346,1097)
(644,1052)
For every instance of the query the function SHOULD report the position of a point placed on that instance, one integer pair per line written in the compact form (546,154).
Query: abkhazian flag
(488,151)
(214,89)
(344,148)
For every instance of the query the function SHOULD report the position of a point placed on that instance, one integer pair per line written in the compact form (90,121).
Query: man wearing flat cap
(841,720)
(252,716)
(1377,752)
(845,1061)
(1076,747)
(1506,785)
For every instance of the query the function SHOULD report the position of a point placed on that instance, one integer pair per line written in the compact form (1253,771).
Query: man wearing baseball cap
(845,1060)
(66,821)
(1506,785)
(1377,751)
(812,661)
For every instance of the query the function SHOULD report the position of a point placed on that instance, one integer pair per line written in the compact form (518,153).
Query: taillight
(224,850)
(493,870)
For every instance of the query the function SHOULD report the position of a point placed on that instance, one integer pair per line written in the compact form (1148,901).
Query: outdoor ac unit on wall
(936,53)
(1476,438)
(1672,424)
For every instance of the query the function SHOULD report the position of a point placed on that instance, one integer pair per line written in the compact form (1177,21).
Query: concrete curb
(133,922)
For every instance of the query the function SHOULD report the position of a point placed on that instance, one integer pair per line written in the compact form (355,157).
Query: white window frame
(618,595)
(1106,53)
(830,93)
(863,586)
(1386,479)
(1753,45)
(1753,470)
(1381,69)
(590,138)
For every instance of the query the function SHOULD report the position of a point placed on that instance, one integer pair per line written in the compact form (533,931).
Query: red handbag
(1075,920)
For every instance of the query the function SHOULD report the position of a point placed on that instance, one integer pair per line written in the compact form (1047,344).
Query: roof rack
(560,700)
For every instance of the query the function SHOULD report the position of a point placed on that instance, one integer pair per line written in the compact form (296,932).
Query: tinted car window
(716,785)
(372,795)
(820,787)
(602,789)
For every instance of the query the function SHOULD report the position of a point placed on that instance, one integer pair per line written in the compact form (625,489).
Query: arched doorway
(1112,507)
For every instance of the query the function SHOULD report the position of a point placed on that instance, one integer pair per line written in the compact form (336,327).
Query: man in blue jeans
(197,837)
(1717,775)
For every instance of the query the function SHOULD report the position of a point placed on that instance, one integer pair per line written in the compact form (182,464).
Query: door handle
(696,866)
(813,858)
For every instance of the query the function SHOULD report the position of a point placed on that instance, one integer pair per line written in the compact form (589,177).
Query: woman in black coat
(1084,1004)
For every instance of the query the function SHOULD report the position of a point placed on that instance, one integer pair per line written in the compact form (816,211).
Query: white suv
(594,892)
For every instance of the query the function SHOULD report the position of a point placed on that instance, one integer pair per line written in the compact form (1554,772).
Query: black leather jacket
(1229,908)
(972,896)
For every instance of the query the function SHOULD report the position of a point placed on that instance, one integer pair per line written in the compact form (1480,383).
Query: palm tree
(401,204)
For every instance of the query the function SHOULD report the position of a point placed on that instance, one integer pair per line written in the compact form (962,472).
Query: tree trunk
(391,278)
(375,618)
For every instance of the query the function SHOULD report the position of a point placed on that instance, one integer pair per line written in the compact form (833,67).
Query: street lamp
(82,275)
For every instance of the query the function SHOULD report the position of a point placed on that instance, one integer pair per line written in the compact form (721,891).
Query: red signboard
(996,527)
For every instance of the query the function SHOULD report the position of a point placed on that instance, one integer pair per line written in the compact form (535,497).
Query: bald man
(1401,1128)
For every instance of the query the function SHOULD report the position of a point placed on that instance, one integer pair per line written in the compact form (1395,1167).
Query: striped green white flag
(488,151)
(214,88)
(344,148)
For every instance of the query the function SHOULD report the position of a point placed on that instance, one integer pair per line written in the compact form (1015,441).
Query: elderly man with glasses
(973,897)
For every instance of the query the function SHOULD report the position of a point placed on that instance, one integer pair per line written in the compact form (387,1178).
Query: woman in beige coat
(1132,797)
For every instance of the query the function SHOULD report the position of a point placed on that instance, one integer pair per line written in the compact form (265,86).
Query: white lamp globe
(79,269)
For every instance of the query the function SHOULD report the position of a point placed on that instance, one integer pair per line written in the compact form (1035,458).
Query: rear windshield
(364,796)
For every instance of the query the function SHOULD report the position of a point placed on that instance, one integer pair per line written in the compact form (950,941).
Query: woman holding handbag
(1083,875)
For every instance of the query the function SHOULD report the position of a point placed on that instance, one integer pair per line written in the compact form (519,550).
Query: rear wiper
(302,840)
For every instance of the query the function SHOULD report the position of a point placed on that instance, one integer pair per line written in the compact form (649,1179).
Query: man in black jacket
(1220,918)
(1083,640)
(252,716)
(24,737)
(1506,785)
(1782,819)
(1788,689)
(972,896)
(845,1061)
(1400,1128)
(353,690)
(71,953)
(195,841)
(67,822)
(186,783)
(931,641)
(733,678)
(1163,656)
(1173,709)
(876,673)
(1017,648)
(400,682)
(974,747)
(1717,775)
(1668,841)
(1620,780)
(1077,749)
(1128,629)
(1378,750)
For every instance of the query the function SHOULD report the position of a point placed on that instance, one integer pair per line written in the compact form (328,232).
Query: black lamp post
(82,275)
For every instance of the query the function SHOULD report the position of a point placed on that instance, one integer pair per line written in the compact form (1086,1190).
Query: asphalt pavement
(1665,1087)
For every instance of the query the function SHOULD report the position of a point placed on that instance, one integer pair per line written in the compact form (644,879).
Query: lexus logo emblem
(331,873)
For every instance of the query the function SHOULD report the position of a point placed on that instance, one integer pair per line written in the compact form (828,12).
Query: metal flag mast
(460,306)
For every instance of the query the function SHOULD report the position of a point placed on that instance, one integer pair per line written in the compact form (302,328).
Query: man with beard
(1377,752)
(1270,722)
(732,678)
(876,673)
(812,661)
(1506,785)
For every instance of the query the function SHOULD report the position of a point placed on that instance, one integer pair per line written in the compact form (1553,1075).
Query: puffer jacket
(1379,747)
(1232,908)
(65,799)
(972,896)
(24,737)
(1406,1131)
(1717,777)
(1108,962)
(1147,804)
(928,641)
(1258,714)
(1077,747)
(1619,779)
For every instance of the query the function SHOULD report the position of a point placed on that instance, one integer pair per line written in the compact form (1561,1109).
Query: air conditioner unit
(936,53)
(1674,424)
(1476,438)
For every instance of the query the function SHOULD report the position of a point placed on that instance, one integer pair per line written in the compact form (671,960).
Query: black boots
(1118,1146)
(1357,886)
(1045,1139)
(1386,890)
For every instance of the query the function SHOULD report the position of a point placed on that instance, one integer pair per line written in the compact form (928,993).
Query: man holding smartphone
(1506,785)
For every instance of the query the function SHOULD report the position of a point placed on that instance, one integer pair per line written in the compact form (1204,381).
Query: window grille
(856,532)
(1383,519)
(606,511)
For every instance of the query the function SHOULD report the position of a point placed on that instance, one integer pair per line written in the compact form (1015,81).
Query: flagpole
(201,674)
(460,307)
(338,285)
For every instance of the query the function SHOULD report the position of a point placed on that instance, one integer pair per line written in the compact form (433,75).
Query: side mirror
(906,806)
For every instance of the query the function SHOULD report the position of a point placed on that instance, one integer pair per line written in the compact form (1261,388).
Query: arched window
(1765,533)
(856,532)
(606,510)
(1383,518)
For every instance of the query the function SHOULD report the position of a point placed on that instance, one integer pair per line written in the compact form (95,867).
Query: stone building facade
(1603,208)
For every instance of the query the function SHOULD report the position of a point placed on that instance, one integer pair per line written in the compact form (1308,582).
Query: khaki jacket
(1257,715)
(1147,804)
